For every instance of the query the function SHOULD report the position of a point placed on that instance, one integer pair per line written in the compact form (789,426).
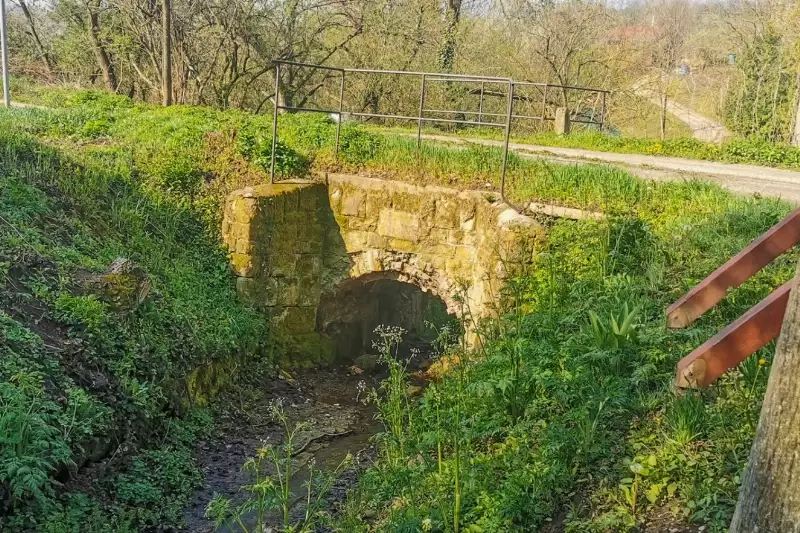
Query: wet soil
(329,401)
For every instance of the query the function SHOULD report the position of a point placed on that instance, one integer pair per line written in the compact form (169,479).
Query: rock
(355,371)
(287,377)
(123,286)
(444,365)
(413,391)
(367,362)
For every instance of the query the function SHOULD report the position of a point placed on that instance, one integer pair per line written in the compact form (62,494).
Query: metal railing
(424,114)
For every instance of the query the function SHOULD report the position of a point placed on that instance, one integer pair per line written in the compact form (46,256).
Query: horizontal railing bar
(425,119)
(464,112)
(470,80)
(529,117)
(414,73)
(584,121)
(309,65)
(310,110)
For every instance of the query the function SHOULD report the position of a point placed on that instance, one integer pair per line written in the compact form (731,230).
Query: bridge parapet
(294,245)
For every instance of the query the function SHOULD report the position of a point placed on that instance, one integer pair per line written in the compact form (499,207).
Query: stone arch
(348,314)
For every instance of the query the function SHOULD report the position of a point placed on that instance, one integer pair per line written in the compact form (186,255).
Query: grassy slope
(586,405)
(80,381)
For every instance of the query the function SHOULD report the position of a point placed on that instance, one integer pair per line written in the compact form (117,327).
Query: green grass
(81,381)
(736,150)
(549,421)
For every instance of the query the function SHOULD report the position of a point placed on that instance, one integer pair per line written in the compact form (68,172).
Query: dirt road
(742,179)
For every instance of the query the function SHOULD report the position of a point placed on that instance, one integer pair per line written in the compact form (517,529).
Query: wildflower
(762,362)
(427,524)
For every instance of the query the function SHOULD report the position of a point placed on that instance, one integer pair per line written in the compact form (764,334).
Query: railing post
(603,113)
(421,107)
(544,102)
(275,122)
(509,112)
(339,121)
(480,103)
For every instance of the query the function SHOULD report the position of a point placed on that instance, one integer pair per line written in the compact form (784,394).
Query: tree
(452,16)
(770,497)
(93,9)
(671,24)
(166,52)
(34,35)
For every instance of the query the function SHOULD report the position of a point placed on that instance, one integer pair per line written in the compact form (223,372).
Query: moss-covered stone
(295,241)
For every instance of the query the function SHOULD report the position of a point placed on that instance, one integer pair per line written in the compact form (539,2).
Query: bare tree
(34,35)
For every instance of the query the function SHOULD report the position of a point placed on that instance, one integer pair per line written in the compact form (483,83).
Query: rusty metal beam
(739,269)
(750,332)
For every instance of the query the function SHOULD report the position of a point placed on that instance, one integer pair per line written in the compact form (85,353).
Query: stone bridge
(299,249)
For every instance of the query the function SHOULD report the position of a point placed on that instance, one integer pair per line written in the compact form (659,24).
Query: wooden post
(770,496)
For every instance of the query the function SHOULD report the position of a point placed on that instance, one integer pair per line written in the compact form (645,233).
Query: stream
(339,425)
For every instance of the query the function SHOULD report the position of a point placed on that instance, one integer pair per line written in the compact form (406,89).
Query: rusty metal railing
(424,114)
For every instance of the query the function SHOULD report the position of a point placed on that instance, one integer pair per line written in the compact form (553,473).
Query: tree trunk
(770,497)
(37,42)
(166,52)
(452,17)
(103,59)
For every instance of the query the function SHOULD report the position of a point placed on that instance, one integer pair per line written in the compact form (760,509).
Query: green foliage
(573,379)
(763,105)
(617,331)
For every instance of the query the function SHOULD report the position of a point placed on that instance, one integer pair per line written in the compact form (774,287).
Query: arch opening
(350,315)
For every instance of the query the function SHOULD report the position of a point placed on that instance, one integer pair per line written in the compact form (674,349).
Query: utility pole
(4,54)
(166,52)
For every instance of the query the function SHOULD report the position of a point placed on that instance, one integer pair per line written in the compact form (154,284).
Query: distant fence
(484,87)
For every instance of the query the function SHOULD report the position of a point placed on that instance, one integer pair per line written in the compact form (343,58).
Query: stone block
(376,241)
(355,241)
(377,200)
(299,319)
(354,203)
(242,265)
(244,246)
(273,207)
(447,213)
(308,200)
(402,245)
(244,210)
(308,267)
(407,201)
(287,292)
(282,265)
(455,237)
(466,254)
(562,122)
(248,290)
(238,231)
(399,224)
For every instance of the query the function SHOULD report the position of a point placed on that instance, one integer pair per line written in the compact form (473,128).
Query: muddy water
(339,425)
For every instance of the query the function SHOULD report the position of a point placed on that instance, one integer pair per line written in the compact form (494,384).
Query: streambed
(339,423)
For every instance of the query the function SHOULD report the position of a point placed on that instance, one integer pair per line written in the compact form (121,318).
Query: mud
(339,424)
